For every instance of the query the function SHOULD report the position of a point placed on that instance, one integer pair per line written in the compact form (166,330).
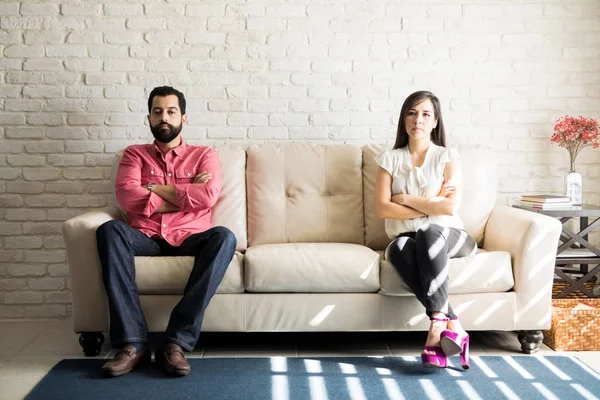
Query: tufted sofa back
(297,193)
(304,193)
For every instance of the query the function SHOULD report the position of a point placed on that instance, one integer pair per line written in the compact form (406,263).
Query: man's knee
(225,237)
(108,229)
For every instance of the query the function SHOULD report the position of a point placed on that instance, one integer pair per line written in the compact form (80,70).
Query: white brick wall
(74,79)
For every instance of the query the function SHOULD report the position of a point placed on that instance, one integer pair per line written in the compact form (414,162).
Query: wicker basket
(560,285)
(574,329)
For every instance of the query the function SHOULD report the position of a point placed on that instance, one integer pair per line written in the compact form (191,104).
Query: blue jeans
(118,244)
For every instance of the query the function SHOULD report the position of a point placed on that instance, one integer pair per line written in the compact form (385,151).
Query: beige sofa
(310,253)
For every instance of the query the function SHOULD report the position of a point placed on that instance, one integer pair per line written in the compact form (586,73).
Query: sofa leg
(530,341)
(91,343)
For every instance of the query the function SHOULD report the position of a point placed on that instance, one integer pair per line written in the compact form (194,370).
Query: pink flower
(575,134)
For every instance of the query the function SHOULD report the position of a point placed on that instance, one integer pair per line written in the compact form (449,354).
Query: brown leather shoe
(126,360)
(171,359)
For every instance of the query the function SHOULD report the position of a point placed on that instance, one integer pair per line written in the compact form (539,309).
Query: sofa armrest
(90,305)
(532,240)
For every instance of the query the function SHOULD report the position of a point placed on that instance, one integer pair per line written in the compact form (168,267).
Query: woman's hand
(447,189)
(402,199)
(398,198)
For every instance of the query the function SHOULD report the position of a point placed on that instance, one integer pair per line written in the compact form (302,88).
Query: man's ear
(184,118)
(148,118)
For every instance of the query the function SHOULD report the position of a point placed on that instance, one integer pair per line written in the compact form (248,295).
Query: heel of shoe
(465,361)
(450,343)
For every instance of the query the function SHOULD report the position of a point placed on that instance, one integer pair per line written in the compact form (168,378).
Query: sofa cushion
(479,192)
(304,193)
(169,275)
(311,267)
(230,210)
(484,272)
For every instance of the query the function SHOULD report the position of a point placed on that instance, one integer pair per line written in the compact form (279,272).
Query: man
(167,189)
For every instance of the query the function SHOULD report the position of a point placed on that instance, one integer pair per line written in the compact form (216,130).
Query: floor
(30,348)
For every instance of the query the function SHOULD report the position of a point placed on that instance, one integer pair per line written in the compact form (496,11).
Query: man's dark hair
(438,134)
(166,91)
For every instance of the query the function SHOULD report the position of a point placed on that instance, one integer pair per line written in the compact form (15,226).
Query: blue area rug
(490,377)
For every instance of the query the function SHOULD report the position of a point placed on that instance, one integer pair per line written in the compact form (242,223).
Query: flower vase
(574,186)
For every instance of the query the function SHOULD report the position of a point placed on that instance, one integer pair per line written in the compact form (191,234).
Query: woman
(418,191)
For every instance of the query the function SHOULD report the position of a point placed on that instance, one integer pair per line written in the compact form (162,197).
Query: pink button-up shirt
(142,164)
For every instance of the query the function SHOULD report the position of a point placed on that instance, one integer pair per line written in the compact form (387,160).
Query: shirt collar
(179,150)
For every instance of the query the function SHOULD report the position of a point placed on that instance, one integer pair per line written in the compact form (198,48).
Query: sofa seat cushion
(169,275)
(484,272)
(311,267)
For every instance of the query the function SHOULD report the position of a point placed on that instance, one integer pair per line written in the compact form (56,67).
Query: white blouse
(424,181)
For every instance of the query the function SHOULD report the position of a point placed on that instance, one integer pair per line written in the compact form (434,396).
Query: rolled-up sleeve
(131,196)
(192,196)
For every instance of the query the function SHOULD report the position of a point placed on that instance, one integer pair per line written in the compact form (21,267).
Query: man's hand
(203,177)
(166,207)
(447,189)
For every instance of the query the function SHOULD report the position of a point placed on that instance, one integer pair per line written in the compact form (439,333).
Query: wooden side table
(574,248)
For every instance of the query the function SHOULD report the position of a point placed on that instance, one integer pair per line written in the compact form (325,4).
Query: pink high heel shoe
(453,344)
(439,359)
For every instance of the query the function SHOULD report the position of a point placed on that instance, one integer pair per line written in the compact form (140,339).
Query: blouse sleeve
(450,155)
(386,161)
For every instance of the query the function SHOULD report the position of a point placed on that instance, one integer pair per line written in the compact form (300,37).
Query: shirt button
(189,174)
(164,225)
(151,172)
(169,174)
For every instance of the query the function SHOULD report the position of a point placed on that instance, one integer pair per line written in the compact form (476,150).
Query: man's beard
(163,135)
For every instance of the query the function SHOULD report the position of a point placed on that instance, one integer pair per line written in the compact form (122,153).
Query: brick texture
(74,80)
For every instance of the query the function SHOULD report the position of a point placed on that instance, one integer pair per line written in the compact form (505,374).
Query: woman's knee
(431,234)
(464,246)
(401,251)
(431,242)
